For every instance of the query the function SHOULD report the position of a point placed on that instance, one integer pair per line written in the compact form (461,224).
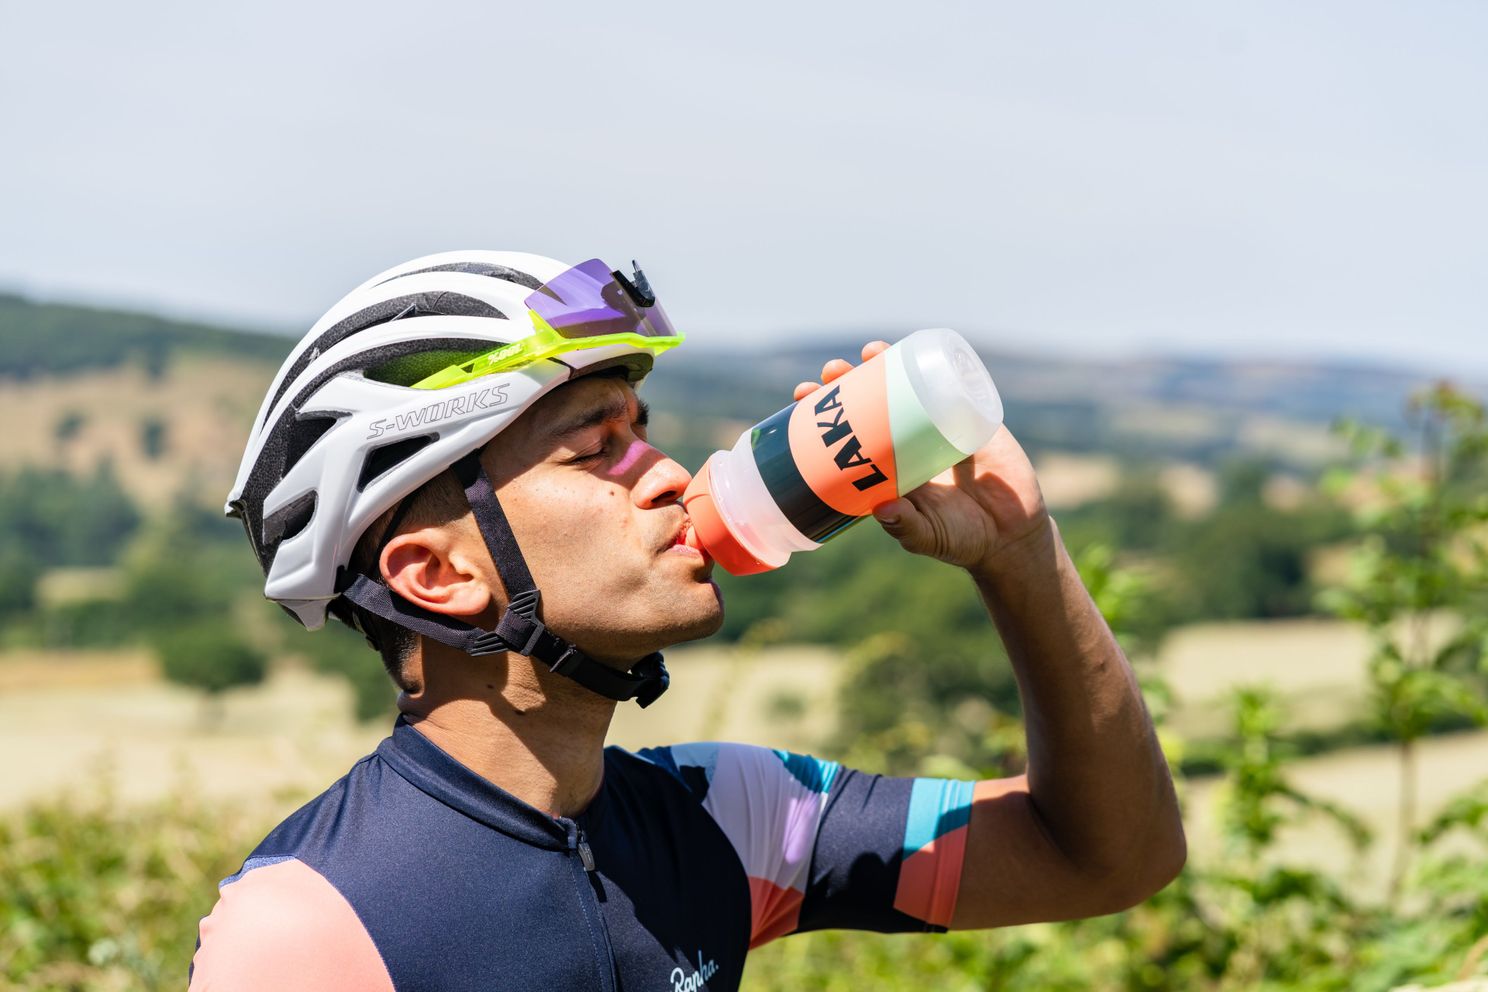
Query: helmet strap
(519,630)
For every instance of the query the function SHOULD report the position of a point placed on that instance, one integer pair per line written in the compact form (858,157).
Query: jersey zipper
(582,860)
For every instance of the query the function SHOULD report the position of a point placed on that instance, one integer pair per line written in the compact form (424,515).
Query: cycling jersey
(413,872)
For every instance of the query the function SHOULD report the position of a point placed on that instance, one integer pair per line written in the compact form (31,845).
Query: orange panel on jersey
(284,927)
(775,911)
(929,878)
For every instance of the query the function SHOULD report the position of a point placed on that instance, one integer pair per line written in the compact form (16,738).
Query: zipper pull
(586,856)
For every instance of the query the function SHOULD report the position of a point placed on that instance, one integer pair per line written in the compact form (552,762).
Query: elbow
(1148,875)
(1165,866)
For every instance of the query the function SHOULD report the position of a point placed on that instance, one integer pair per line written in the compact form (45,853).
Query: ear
(426,568)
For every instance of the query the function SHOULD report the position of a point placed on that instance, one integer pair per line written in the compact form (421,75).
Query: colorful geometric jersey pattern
(413,872)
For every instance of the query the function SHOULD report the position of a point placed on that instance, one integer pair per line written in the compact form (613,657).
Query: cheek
(627,461)
(571,528)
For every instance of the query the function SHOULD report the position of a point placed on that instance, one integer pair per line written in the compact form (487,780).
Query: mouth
(680,545)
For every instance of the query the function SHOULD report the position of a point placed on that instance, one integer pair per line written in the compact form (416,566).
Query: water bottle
(796,479)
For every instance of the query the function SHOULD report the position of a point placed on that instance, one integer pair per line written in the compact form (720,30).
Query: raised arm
(1093,826)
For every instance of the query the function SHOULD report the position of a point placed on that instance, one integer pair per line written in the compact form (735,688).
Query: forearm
(1096,775)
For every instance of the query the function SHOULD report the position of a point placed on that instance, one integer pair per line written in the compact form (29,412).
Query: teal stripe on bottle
(921,452)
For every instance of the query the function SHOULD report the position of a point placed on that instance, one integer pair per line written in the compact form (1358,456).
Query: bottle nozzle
(690,538)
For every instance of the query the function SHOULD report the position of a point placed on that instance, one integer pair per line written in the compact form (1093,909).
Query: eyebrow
(593,417)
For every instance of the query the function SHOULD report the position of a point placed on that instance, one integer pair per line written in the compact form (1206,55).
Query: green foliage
(95,895)
(918,646)
(1249,560)
(18,574)
(209,656)
(926,674)
(1239,921)
(860,584)
(62,519)
(152,437)
(1420,577)
(955,711)
(1245,559)
(186,567)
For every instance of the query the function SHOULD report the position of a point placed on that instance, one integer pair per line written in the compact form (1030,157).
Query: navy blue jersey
(413,872)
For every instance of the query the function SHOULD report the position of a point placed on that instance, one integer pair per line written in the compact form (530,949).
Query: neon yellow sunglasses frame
(543,344)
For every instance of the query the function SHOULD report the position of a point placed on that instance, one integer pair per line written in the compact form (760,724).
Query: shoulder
(280,924)
(718,772)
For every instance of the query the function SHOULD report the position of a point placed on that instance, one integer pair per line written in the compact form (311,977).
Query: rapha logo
(490,398)
(683,982)
(850,455)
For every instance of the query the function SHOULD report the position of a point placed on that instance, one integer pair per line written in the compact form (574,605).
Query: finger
(903,521)
(804,389)
(874,348)
(836,369)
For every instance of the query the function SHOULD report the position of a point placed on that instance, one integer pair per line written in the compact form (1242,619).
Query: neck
(530,732)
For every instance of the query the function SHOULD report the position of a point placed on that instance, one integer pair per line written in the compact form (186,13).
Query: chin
(706,627)
(684,628)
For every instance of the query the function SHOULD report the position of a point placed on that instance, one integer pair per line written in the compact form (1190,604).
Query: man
(463,431)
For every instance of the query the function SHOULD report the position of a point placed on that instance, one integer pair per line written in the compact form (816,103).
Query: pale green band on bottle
(963,403)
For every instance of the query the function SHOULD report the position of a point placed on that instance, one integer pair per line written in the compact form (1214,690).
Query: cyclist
(463,431)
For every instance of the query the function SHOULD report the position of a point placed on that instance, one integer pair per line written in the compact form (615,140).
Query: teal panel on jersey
(936,807)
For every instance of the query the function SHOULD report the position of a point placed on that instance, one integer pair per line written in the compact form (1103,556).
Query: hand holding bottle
(975,514)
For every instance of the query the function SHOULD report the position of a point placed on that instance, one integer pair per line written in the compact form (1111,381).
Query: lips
(678,537)
(685,537)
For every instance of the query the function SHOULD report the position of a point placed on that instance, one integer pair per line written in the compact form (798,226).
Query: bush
(61,519)
(97,896)
(210,657)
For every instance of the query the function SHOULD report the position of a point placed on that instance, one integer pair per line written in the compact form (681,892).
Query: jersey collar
(431,769)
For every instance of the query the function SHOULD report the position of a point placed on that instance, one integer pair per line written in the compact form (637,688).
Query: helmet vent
(442,304)
(303,434)
(288,520)
(390,456)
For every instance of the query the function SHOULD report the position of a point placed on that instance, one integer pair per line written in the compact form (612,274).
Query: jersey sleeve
(829,847)
(278,924)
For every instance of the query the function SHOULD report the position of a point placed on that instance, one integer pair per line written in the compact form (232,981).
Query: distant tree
(211,657)
(172,576)
(152,437)
(155,358)
(18,575)
(1248,559)
(68,426)
(61,519)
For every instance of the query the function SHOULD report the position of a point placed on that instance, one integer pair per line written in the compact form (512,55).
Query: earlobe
(425,573)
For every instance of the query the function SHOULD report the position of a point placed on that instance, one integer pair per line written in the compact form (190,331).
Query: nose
(662,484)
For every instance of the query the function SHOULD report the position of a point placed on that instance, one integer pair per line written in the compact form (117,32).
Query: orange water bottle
(798,478)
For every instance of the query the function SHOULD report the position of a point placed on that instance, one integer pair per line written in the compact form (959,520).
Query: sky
(1268,180)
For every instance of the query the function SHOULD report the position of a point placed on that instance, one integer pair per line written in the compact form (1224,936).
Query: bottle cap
(709,534)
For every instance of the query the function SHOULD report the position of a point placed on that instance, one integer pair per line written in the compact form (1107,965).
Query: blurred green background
(1302,594)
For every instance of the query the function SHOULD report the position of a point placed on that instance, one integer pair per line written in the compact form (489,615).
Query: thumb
(903,521)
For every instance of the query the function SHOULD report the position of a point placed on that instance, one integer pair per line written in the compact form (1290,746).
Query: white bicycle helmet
(410,374)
